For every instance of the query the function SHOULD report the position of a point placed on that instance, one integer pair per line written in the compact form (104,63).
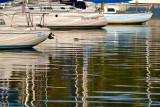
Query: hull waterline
(23,38)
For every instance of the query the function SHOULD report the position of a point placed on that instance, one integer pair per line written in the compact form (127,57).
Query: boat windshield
(111,10)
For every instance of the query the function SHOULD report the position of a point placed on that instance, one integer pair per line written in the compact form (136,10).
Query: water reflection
(70,39)
(148,77)
(137,31)
(152,68)
(17,75)
(126,33)
(81,68)
(72,48)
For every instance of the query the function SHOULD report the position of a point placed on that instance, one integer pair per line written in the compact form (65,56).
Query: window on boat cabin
(2,22)
(63,8)
(71,8)
(1,7)
(47,8)
(31,8)
(111,10)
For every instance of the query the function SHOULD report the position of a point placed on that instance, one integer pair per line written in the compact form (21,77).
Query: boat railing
(29,18)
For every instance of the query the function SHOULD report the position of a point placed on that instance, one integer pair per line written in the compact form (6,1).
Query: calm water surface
(114,66)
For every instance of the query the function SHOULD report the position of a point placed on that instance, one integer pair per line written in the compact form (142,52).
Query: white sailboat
(20,37)
(128,18)
(116,13)
(114,16)
(60,18)
(13,37)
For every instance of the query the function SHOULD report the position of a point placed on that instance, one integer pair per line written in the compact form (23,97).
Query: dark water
(114,66)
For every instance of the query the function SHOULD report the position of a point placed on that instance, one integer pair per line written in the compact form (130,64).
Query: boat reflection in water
(24,73)
(70,39)
(77,49)
(126,36)
(17,75)
(61,72)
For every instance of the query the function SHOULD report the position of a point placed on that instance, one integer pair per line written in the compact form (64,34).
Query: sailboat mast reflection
(33,86)
(4,92)
(20,70)
(76,78)
(27,87)
(148,78)
(84,77)
(31,83)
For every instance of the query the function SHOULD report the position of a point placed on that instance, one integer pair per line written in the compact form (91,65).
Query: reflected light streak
(148,74)
(33,86)
(84,78)
(76,78)
(46,94)
(27,86)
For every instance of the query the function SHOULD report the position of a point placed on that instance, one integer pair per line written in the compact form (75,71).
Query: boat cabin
(109,10)
(115,7)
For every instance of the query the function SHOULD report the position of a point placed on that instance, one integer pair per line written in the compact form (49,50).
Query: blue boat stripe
(15,46)
(21,33)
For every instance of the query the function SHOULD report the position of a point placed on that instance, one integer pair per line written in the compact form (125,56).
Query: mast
(23,6)
(24,12)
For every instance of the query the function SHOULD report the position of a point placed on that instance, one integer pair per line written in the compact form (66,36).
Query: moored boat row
(56,15)
(19,28)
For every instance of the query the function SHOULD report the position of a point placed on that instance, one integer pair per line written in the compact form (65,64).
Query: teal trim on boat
(16,46)
(21,33)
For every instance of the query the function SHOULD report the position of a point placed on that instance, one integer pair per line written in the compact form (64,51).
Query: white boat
(115,16)
(20,37)
(54,18)
(116,13)
(75,20)
(128,18)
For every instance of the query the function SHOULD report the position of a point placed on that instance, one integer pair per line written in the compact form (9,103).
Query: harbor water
(116,66)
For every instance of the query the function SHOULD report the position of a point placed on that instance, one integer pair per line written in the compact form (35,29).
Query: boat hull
(127,18)
(65,20)
(20,38)
(76,20)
